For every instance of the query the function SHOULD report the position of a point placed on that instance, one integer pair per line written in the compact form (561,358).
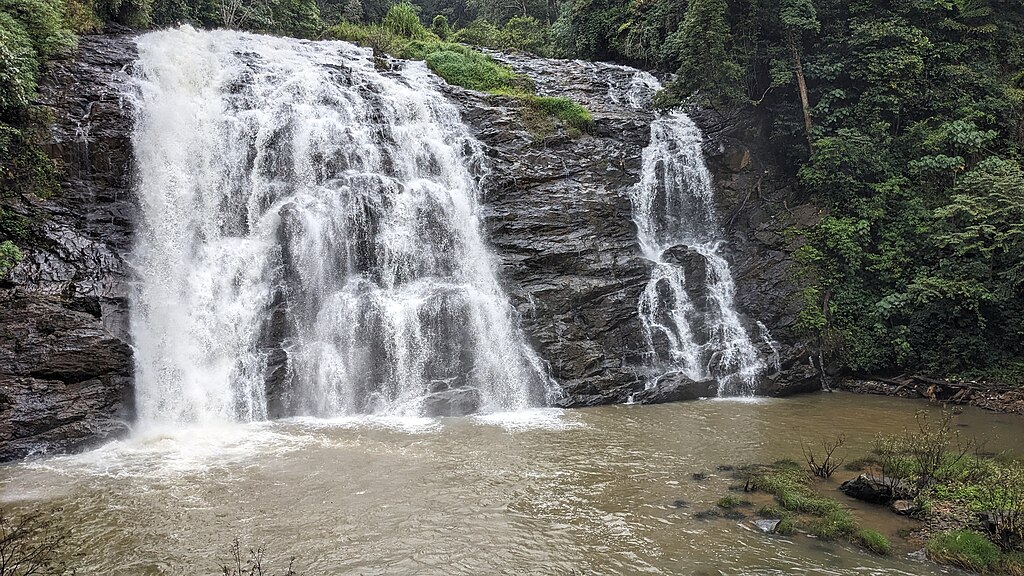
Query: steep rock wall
(65,361)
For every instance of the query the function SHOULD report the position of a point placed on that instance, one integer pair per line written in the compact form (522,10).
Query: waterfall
(310,241)
(688,306)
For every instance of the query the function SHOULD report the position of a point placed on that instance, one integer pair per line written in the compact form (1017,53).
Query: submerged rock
(455,402)
(676,387)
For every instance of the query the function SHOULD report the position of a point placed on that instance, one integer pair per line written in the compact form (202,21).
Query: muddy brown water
(543,492)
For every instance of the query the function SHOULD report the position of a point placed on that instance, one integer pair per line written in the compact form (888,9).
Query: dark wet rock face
(758,207)
(558,214)
(65,363)
(675,387)
(454,402)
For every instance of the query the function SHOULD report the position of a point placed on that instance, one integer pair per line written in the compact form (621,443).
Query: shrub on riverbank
(874,541)
(964,548)
(801,506)
(31,544)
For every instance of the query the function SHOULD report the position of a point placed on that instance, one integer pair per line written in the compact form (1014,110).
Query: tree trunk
(798,70)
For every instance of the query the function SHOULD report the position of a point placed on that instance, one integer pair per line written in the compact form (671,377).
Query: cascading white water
(296,201)
(694,329)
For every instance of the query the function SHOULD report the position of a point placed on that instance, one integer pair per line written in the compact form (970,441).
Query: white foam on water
(744,399)
(406,424)
(531,419)
(177,451)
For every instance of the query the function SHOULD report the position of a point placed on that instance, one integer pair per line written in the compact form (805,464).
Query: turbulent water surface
(592,491)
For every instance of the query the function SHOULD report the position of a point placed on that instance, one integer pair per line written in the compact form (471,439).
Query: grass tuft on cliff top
(400,34)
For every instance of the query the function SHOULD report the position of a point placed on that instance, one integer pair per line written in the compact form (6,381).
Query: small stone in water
(766,525)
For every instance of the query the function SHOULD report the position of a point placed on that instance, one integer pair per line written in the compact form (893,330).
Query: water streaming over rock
(310,241)
(688,306)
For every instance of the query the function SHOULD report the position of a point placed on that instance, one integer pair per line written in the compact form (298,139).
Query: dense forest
(904,120)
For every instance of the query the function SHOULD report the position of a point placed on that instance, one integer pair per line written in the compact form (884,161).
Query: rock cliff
(65,358)
(557,212)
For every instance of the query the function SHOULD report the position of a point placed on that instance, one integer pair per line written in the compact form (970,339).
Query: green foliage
(19,65)
(353,12)
(572,114)
(471,70)
(874,541)
(457,64)
(24,168)
(706,65)
(785,527)
(834,524)
(439,26)
(479,32)
(9,256)
(799,15)
(43,23)
(519,33)
(402,20)
(964,548)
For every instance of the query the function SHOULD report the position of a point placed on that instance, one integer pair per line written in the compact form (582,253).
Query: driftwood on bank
(991,396)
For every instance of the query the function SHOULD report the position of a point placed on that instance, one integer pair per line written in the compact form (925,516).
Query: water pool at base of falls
(593,491)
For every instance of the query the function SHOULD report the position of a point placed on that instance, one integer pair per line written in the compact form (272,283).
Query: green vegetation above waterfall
(400,33)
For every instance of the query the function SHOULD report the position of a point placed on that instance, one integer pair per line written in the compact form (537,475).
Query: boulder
(455,402)
(870,489)
(676,387)
(904,507)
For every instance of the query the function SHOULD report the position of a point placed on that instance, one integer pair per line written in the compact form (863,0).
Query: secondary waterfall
(687,308)
(310,241)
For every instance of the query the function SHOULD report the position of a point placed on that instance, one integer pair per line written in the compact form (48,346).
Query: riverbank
(989,396)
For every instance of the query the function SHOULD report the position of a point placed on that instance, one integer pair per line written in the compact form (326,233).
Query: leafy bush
(874,541)
(785,527)
(835,523)
(479,32)
(43,23)
(402,20)
(964,548)
(770,511)
(31,544)
(19,65)
(9,256)
(440,27)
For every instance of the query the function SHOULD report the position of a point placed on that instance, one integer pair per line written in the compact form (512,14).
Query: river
(593,491)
